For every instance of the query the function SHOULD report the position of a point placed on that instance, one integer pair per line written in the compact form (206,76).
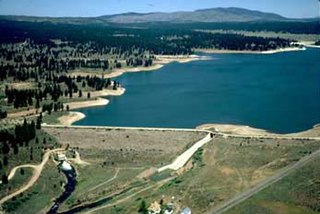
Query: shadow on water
(69,188)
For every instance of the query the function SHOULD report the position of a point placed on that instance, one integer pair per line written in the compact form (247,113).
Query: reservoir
(277,92)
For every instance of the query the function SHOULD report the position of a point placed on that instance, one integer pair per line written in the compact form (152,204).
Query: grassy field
(53,117)
(107,182)
(298,193)
(29,153)
(124,161)
(223,169)
(21,177)
(39,198)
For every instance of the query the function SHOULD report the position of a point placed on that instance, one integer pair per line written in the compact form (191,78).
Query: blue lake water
(278,92)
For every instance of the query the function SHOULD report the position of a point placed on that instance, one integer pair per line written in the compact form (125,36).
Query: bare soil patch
(124,146)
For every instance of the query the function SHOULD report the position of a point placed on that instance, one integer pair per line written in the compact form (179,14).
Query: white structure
(61,157)
(65,166)
(182,159)
(186,211)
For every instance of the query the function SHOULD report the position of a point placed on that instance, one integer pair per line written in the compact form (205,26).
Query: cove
(277,92)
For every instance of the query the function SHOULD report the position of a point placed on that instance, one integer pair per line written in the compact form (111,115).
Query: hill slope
(215,15)
(207,15)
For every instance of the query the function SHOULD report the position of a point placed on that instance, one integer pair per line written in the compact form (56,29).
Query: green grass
(24,157)
(39,198)
(53,117)
(161,175)
(86,181)
(298,193)
(17,181)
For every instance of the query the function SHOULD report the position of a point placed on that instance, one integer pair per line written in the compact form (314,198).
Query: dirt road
(36,174)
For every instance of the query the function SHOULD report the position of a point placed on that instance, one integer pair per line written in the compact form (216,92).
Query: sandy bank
(158,63)
(85,104)
(309,44)
(108,92)
(215,51)
(284,50)
(250,131)
(72,117)
(234,129)
(165,59)
(314,132)
(78,104)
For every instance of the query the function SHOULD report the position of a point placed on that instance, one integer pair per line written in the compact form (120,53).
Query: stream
(68,189)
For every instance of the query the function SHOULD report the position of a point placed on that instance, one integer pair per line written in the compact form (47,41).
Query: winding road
(36,174)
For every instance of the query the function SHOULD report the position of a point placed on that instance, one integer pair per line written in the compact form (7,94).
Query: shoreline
(87,104)
(159,62)
(244,130)
(280,50)
(72,117)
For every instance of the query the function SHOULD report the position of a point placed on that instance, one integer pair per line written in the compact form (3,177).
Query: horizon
(96,8)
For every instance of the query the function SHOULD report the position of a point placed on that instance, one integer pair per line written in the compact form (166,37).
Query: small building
(154,208)
(186,211)
(61,157)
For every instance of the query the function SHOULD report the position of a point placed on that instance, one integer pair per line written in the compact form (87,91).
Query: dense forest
(296,27)
(167,39)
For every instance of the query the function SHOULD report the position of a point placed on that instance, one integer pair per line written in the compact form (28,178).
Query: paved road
(182,159)
(36,174)
(264,184)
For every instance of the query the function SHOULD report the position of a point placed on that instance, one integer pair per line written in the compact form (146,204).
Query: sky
(91,8)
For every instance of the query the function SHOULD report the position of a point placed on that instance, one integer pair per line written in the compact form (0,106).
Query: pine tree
(143,207)
(5,148)
(5,161)
(5,179)
(15,149)
(38,124)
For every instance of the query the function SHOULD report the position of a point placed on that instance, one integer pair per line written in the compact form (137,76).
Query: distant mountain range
(214,15)
(207,15)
